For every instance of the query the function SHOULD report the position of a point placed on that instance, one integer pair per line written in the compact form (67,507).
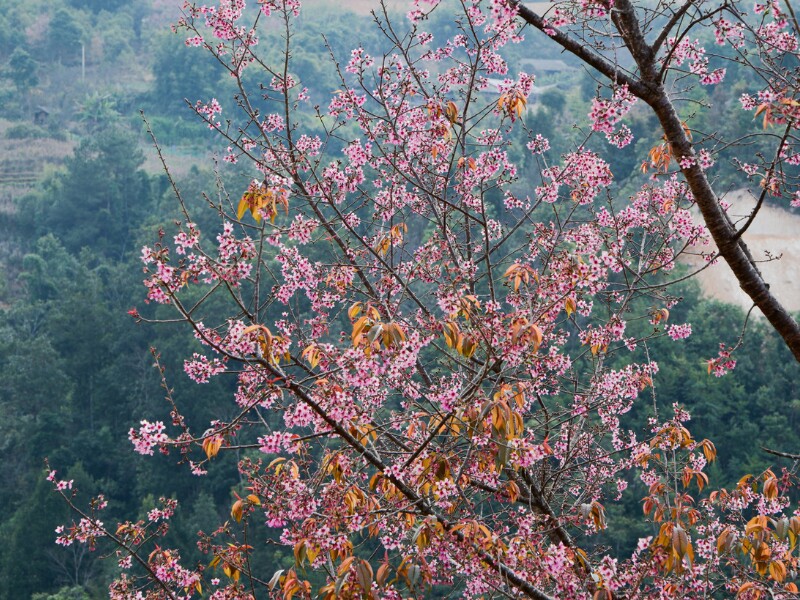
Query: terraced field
(23,161)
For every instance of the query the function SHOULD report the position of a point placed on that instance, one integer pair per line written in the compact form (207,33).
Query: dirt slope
(774,241)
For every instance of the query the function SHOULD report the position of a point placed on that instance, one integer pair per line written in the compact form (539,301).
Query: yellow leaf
(383,246)
(451,112)
(750,585)
(276,463)
(231,571)
(451,334)
(725,541)
(598,515)
(354,310)
(397,231)
(680,541)
(537,336)
(512,489)
(358,328)
(345,566)
(300,552)
(242,208)
(422,539)
(771,488)
(312,355)
(466,346)
(659,315)
(570,306)
(251,329)
(756,525)
(794,525)
(397,333)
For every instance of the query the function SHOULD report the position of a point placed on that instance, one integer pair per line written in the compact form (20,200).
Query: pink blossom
(679,332)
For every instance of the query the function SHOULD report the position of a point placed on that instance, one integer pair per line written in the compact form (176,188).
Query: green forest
(87,85)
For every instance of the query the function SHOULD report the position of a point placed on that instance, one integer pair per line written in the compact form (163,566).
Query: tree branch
(581,50)
(649,89)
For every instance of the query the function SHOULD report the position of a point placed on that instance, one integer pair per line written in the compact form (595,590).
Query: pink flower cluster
(200,369)
(86,531)
(359,61)
(723,363)
(732,33)
(346,103)
(148,436)
(539,144)
(209,113)
(679,332)
(289,6)
(775,39)
(163,513)
(61,484)
(694,53)
(584,172)
(275,442)
(418,12)
(220,19)
(606,114)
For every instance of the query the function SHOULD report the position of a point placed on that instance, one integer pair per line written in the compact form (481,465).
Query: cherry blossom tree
(434,358)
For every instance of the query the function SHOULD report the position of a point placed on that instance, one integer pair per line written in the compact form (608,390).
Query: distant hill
(361,7)
(166,10)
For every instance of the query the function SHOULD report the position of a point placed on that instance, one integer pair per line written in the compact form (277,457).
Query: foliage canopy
(445,374)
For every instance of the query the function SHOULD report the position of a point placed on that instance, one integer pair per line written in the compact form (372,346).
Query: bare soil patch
(774,242)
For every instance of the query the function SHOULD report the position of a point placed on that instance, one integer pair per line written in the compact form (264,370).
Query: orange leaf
(382,574)
(749,586)
(237,510)
(212,444)
(771,488)
(364,575)
(756,525)
(777,570)
(709,450)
